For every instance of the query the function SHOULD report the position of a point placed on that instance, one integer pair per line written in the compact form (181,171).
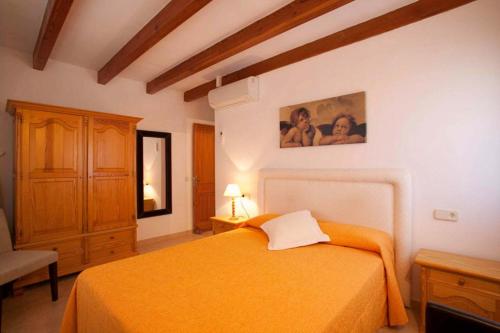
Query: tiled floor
(411,327)
(33,312)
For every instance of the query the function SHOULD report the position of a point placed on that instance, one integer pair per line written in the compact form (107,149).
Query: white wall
(433,108)
(72,86)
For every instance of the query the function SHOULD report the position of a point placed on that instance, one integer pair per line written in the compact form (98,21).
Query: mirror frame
(140,173)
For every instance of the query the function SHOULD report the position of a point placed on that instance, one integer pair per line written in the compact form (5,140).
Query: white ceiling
(95,30)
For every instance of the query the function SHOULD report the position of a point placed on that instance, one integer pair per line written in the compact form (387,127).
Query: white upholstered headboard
(376,198)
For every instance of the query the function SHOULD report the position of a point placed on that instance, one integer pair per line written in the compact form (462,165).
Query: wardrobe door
(111,167)
(50,159)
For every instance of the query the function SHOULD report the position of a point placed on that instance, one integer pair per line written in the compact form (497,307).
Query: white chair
(15,264)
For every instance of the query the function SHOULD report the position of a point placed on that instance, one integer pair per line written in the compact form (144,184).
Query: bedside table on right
(460,282)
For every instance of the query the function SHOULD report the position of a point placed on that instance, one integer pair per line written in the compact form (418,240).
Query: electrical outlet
(446,215)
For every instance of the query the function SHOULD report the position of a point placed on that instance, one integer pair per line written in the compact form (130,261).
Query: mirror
(154,174)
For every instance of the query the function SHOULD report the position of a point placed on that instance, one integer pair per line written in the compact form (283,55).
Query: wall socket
(446,215)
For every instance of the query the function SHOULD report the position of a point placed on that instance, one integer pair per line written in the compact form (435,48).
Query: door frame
(189,164)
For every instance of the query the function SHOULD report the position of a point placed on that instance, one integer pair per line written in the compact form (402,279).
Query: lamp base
(233,211)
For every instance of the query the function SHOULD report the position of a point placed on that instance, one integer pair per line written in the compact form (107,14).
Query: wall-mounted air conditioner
(243,91)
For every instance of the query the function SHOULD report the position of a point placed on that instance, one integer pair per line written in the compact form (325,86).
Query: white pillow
(293,230)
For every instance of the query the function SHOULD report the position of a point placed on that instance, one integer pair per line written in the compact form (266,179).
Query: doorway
(203,177)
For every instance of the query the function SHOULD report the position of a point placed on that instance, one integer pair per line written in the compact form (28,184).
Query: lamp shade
(232,190)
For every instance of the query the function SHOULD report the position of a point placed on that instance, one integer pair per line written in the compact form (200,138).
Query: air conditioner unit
(243,91)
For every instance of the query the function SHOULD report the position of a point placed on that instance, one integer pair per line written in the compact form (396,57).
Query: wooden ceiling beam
(53,20)
(398,18)
(291,15)
(169,18)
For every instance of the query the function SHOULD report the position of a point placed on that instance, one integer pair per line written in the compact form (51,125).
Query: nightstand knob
(461,281)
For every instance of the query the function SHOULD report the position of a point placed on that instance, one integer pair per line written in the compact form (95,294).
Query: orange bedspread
(232,283)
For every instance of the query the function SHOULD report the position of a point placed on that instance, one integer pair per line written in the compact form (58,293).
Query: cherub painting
(331,121)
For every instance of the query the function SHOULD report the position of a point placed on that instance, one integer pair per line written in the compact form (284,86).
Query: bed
(230,282)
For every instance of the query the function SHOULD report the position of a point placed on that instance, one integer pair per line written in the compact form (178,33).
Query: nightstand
(225,223)
(460,282)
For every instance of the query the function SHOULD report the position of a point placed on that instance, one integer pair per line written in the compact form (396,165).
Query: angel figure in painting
(343,127)
(301,134)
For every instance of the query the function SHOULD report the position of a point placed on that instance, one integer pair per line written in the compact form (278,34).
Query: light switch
(446,215)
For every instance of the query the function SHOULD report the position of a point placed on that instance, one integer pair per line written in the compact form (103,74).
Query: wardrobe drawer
(71,259)
(106,254)
(464,282)
(70,253)
(111,240)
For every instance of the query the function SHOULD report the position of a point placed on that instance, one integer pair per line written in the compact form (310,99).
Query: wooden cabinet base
(462,283)
(40,276)
(83,252)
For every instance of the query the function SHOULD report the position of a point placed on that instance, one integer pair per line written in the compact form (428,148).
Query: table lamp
(232,191)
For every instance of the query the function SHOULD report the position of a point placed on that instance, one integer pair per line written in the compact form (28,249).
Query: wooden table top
(227,219)
(482,268)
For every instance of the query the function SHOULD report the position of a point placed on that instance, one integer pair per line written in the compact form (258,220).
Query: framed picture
(331,121)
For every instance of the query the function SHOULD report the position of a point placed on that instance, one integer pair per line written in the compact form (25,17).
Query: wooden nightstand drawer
(222,224)
(484,305)
(221,227)
(464,282)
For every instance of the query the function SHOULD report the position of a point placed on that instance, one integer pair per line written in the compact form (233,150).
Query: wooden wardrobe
(74,185)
